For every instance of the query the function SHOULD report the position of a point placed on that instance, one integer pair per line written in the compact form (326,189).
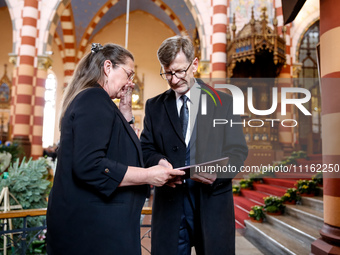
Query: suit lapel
(171,109)
(132,134)
(204,122)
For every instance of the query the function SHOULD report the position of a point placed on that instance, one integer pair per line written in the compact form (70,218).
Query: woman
(98,193)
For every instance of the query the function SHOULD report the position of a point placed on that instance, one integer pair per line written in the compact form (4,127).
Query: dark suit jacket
(87,212)
(162,138)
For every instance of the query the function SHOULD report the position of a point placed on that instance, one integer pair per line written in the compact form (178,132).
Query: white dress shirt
(193,102)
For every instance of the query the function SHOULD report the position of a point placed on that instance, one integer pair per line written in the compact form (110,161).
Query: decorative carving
(5,101)
(255,38)
(203,69)
(44,62)
(297,68)
(5,90)
(197,44)
(265,137)
(13,59)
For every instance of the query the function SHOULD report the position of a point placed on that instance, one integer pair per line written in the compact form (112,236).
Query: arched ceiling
(84,11)
(167,11)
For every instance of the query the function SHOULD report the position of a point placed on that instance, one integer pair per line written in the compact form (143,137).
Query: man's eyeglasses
(129,75)
(180,74)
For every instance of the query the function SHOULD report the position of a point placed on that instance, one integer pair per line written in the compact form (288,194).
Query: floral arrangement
(8,154)
(246,184)
(318,178)
(256,177)
(27,181)
(299,154)
(273,204)
(291,196)
(236,189)
(5,160)
(307,187)
(292,158)
(256,213)
(38,246)
(12,148)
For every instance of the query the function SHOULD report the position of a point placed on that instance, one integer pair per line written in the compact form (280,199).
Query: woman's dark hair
(90,70)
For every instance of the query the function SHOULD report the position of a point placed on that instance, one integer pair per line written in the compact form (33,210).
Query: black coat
(162,138)
(87,212)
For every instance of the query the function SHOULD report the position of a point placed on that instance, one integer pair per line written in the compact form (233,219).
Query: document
(214,166)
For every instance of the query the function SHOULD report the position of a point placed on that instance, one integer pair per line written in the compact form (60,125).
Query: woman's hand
(125,104)
(175,180)
(160,175)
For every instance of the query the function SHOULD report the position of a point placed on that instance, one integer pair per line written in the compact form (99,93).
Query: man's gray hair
(172,46)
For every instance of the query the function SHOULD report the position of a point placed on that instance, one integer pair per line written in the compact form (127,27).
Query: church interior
(268,45)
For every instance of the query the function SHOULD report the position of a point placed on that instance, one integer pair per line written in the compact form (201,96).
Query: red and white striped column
(14,61)
(219,39)
(286,133)
(330,74)
(69,58)
(22,102)
(38,104)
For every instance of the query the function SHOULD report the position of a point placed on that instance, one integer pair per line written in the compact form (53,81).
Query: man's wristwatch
(132,121)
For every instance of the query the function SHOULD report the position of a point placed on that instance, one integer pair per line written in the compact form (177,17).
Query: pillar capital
(13,59)
(44,62)
(204,68)
(297,68)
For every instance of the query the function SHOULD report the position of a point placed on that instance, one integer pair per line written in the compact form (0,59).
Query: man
(200,211)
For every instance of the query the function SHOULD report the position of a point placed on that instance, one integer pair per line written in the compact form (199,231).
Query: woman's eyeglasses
(129,75)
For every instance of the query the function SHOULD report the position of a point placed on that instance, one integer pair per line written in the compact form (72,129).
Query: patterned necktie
(184,115)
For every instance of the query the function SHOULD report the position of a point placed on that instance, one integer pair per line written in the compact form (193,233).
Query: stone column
(286,134)
(25,77)
(329,243)
(69,56)
(219,39)
(38,103)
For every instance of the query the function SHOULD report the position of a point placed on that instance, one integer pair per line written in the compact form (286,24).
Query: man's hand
(206,178)
(165,163)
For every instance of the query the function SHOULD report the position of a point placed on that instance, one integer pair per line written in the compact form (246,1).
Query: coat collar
(129,130)
(131,133)
(171,109)
(203,126)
